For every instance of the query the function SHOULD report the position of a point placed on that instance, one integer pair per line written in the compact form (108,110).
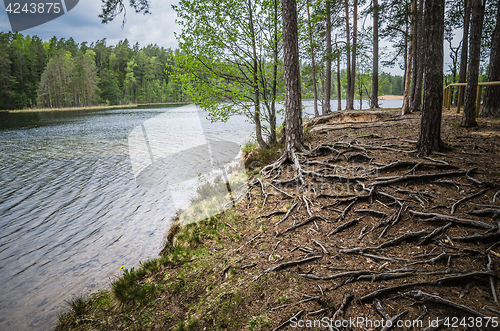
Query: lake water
(71,209)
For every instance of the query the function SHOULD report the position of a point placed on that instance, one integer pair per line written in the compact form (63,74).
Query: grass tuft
(78,304)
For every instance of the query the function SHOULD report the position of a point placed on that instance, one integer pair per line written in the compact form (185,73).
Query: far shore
(101,107)
(390,97)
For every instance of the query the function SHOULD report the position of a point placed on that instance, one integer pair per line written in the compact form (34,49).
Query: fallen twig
(322,247)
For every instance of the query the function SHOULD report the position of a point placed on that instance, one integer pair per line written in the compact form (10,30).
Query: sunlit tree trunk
(418,67)
(374,96)
(255,74)
(313,62)
(406,95)
(350,103)
(328,65)
(354,51)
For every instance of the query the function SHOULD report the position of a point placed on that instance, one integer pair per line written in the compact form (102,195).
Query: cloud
(83,24)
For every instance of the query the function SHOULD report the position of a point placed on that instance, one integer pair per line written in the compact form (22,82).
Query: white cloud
(83,24)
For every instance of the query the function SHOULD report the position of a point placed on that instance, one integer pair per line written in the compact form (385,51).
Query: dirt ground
(374,233)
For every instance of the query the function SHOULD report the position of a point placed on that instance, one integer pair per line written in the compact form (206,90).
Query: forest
(63,73)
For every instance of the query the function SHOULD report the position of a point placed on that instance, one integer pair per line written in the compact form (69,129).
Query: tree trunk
(293,101)
(328,70)
(350,103)
(476,27)
(374,97)
(272,118)
(313,63)
(462,75)
(418,74)
(406,97)
(491,103)
(255,74)
(339,88)
(429,138)
(354,50)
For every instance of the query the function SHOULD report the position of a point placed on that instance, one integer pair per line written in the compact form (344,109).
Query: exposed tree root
(487,212)
(455,205)
(426,297)
(433,217)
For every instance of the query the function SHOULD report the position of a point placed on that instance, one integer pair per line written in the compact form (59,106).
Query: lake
(72,210)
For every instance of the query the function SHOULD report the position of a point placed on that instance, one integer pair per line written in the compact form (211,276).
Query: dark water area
(71,209)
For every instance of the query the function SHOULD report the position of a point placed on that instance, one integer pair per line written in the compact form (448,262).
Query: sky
(83,24)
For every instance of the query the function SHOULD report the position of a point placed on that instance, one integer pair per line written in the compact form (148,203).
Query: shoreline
(240,270)
(101,107)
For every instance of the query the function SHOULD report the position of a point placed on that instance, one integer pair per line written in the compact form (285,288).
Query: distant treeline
(62,73)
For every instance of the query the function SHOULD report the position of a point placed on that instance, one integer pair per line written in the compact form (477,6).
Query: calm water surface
(71,212)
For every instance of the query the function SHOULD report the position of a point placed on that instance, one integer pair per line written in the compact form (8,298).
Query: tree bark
(416,100)
(476,27)
(491,101)
(406,97)
(328,70)
(350,103)
(339,88)
(374,97)
(313,62)
(429,138)
(293,101)
(272,118)
(462,75)
(256,116)
(354,51)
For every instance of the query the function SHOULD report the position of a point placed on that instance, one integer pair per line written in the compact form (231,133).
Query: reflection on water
(71,211)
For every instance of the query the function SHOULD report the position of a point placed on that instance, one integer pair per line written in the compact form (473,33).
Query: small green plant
(78,304)
(250,146)
(282,299)
(258,322)
(188,325)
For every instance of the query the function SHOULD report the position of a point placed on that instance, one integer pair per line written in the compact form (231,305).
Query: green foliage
(62,73)
(229,58)
(250,146)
